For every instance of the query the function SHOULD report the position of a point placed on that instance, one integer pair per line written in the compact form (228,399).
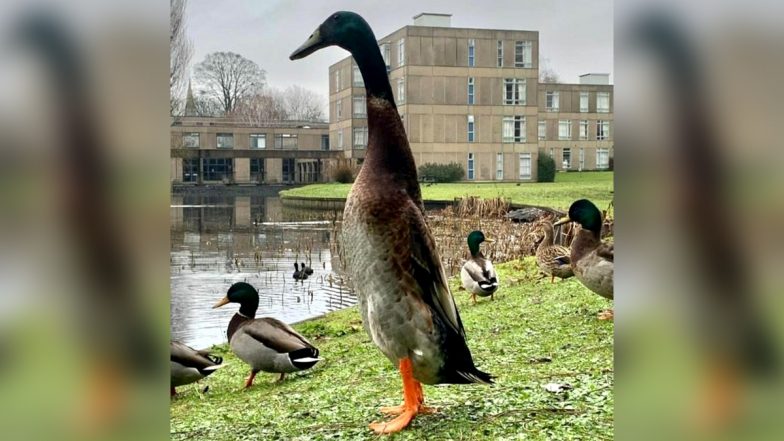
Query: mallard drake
(552,259)
(266,344)
(300,274)
(477,274)
(189,365)
(592,259)
(390,253)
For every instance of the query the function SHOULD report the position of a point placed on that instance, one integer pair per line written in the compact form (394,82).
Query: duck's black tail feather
(459,365)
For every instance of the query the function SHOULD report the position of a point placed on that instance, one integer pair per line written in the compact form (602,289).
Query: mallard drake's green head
(244,294)
(585,213)
(474,239)
(340,29)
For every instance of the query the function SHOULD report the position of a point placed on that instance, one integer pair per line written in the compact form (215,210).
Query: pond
(219,238)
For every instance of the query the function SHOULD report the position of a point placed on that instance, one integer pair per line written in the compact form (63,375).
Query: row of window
(257,140)
(602,158)
(219,169)
(513,129)
(524,165)
(523,58)
(552,101)
(514,93)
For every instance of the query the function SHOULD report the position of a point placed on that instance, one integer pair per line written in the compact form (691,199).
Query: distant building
(473,96)
(230,151)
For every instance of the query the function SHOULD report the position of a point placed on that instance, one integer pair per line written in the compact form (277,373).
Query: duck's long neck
(388,153)
(585,242)
(548,236)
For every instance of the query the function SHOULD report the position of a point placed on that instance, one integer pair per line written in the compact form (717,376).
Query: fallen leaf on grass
(557,388)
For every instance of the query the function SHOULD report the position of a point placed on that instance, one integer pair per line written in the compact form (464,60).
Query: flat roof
(432,13)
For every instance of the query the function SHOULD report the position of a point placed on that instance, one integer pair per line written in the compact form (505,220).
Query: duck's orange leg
(412,403)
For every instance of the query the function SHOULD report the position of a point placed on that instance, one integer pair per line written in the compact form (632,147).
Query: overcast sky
(575,36)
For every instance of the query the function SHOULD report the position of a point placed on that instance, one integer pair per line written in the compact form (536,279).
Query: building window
(190,170)
(552,101)
(603,102)
(358,81)
(470,90)
(514,91)
(602,159)
(471,48)
(470,166)
(337,80)
(584,101)
(523,54)
(567,158)
(499,166)
(564,129)
(225,140)
(542,130)
(385,54)
(286,141)
(401,90)
(581,164)
(514,129)
(217,169)
(324,142)
(258,141)
(190,140)
(360,137)
(340,139)
(339,109)
(602,130)
(360,106)
(401,52)
(584,129)
(470,128)
(500,53)
(288,169)
(257,170)
(525,166)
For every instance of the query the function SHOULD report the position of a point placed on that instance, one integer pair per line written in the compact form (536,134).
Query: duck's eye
(335,17)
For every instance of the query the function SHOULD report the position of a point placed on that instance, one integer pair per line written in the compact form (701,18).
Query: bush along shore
(553,362)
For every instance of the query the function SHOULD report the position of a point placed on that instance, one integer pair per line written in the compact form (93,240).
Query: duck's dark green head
(585,213)
(474,239)
(244,294)
(340,29)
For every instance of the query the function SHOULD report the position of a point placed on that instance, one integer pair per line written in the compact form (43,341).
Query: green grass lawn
(568,187)
(534,333)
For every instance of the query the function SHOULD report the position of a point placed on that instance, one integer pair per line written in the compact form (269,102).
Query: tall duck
(266,344)
(592,259)
(405,302)
(477,274)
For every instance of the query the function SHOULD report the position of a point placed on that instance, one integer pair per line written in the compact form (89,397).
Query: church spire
(190,104)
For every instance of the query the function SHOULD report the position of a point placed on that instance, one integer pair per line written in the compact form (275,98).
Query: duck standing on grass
(266,344)
(553,259)
(189,365)
(592,259)
(391,256)
(477,274)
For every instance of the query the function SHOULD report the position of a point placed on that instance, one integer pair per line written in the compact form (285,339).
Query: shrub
(343,173)
(611,164)
(545,168)
(441,172)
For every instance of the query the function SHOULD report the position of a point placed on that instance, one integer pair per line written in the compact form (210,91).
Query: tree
(180,53)
(303,104)
(546,73)
(229,78)
(267,105)
(207,106)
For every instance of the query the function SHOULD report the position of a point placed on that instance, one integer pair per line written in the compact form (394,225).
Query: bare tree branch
(180,53)
(229,78)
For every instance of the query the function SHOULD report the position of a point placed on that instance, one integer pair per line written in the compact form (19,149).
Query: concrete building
(226,150)
(473,96)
